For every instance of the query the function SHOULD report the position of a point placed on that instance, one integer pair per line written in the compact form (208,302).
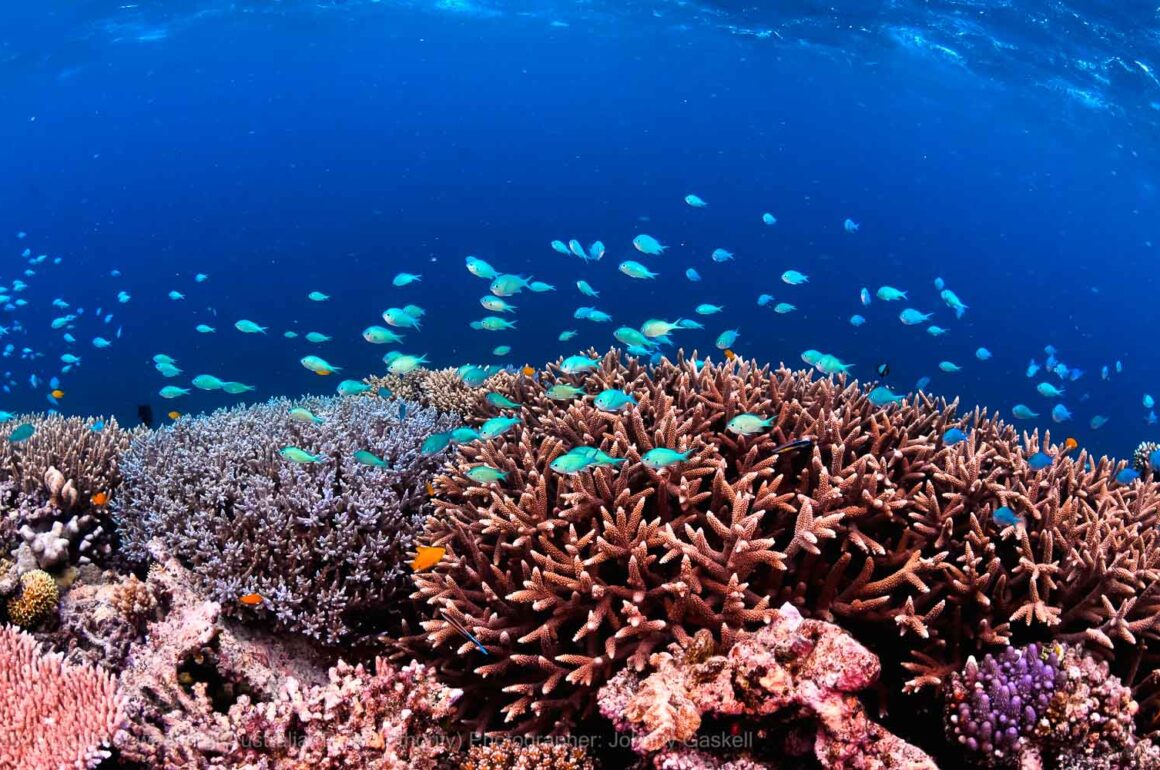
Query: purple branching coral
(1026,704)
(323,544)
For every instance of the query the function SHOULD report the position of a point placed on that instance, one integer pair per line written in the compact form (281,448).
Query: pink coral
(52,714)
(795,678)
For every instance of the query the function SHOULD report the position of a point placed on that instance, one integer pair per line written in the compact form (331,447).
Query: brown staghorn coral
(52,714)
(877,525)
(50,481)
(442,389)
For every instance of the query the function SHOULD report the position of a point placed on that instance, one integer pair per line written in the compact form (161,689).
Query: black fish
(805,442)
(145,414)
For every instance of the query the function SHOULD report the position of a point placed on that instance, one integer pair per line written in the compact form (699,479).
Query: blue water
(285,147)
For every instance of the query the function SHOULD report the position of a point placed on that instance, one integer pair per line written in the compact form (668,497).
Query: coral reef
(793,683)
(101,614)
(1025,704)
(182,678)
(442,389)
(506,754)
(385,719)
(202,693)
(872,521)
(55,487)
(52,714)
(1141,457)
(322,544)
(36,600)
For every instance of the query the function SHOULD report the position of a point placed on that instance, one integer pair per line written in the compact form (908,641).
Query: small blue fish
(463,631)
(882,396)
(1023,412)
(22,433)
(953,436)
(1039,461)
(983,354)
(1060,413)
(692,275)
(1127,476)
(402,410)
(364,457)
(1154,460)
(436,442)
(1006,517)
(97,426)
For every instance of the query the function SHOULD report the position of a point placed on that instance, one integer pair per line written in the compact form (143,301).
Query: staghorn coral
(876,524)
(381,719)
(52,714)
(441,389)
(36,601)
(323,543)
(794,683)
(69,446)
(506,754)
(49,483)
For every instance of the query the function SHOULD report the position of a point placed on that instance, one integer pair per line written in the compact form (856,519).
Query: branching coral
(442,389)
(794,683)
(323,544)
(382,719)
(52,714)
(1014,709)
(876,523)
(57,482)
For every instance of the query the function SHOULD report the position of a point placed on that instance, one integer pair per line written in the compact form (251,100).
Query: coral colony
(603,564)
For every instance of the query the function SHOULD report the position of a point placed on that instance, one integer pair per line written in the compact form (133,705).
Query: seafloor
(806,580)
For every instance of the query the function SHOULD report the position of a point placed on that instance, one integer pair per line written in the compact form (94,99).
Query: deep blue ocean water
(286,147)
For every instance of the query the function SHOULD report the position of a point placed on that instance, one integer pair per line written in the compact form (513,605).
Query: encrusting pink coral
(53,714)
(794,683)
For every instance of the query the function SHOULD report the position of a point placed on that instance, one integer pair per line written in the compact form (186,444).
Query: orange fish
(251,600)
(58,393)
(729,354)
(428,556)
(528,371)
(174,414)
(100,498)
(430,489)
(1069,444)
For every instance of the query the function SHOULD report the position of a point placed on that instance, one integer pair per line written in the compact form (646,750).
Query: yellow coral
(37,599)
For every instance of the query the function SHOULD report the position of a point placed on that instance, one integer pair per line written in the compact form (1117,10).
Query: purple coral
(1029,703)
(993,706)
(323,544)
